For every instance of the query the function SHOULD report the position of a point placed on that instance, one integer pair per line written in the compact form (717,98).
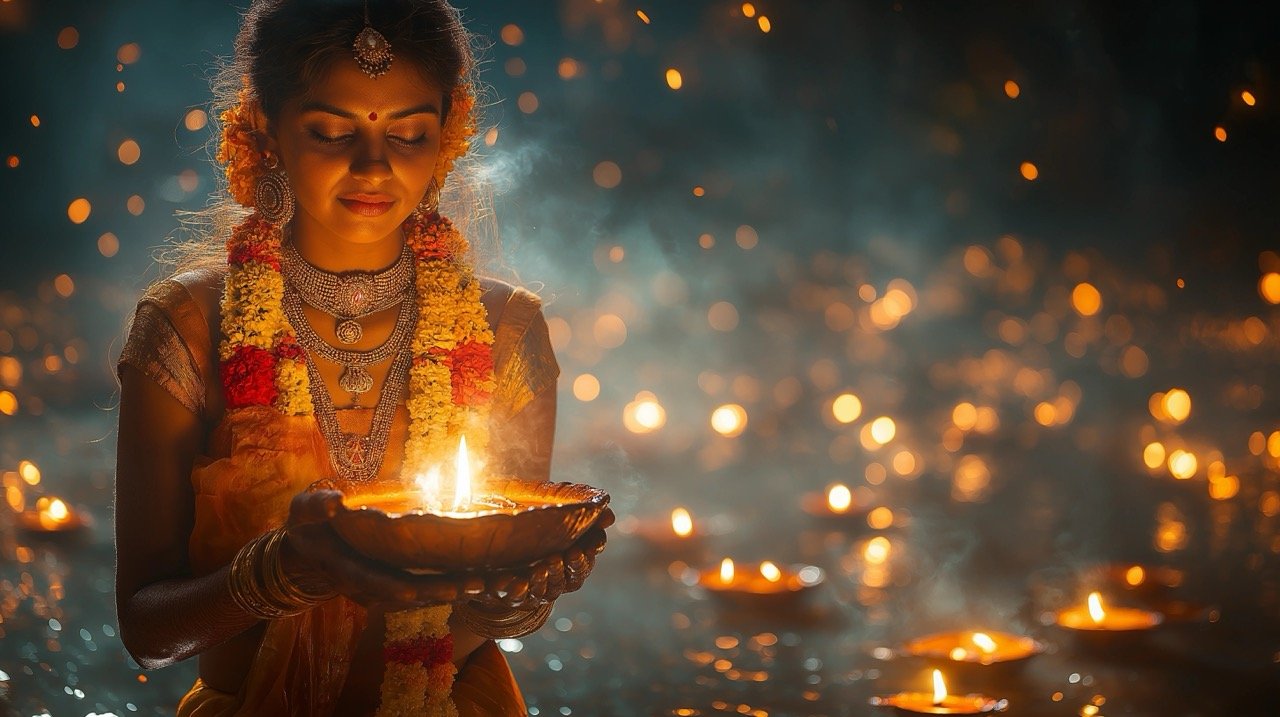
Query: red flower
(249,378)
(288,349)
(471,364)
(420,651)
(431,238)
(244,253)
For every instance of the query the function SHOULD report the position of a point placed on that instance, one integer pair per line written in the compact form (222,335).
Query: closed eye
(411,141)
(337,139)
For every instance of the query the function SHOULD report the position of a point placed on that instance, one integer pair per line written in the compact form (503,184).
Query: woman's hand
(548,579)
(315,556)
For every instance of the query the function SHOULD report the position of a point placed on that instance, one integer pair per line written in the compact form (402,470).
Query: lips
(368,205)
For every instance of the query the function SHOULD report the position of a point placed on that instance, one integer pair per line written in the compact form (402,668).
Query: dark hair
(285,46)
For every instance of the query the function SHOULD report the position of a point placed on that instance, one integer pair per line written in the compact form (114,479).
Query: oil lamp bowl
(941,647)
(384,523)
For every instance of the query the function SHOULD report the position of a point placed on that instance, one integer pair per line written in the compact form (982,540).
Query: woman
(340,335)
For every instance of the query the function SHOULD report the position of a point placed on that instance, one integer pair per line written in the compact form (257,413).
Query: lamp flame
(839,498)
(1095,607)
(681,522)
(462,478)
(984,642)
(726,571)
(58,509)
(770,571)
(939,688)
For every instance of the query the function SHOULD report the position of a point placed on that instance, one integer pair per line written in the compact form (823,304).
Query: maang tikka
(372,51)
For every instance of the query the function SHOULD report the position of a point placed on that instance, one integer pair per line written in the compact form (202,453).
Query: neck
(331,252)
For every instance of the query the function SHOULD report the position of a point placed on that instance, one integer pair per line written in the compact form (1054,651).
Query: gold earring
(273,196)
(430,203)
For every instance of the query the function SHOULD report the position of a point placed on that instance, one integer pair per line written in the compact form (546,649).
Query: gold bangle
(259,586)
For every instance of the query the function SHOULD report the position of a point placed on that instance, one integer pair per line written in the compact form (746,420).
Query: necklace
(349,295)
(356,457)
(355,378)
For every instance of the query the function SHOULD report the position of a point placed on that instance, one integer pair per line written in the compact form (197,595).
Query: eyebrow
(425,108)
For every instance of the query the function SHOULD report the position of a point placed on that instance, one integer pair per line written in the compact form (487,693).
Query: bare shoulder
(204,286)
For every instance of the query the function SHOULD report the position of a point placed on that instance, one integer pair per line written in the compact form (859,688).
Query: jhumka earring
(430,203)
(373,52)
(273,197)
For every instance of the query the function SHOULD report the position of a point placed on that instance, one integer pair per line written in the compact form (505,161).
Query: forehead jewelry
(372,51)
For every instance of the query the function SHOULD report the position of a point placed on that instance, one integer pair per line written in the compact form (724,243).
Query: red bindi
(373,116)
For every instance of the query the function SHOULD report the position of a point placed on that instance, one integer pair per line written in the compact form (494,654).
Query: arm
(165,614)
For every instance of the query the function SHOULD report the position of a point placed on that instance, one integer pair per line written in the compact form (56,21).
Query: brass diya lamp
(940,701)
(764,585)
(51,515)
(1094,617)
(974,647)
(508,522)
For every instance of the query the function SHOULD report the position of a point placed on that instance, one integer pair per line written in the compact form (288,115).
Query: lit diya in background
(983,647)
(51,515)
(1094,617)
(679,532)
(837,501)
(507,522)
(763,584)
(940,702)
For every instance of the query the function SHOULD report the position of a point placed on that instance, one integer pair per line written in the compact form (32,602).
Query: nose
(370,163)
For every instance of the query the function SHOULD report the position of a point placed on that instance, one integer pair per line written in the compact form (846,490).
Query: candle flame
(984,642)
(1095,607)
(839,498)
(770,571)
(462,478)
(726,571)
(681,522)
(58,509)
(939,688)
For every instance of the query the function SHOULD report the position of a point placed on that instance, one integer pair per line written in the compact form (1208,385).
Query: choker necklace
(355,378)
(350,295)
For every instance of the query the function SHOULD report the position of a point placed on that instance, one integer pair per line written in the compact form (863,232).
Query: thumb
(314,506)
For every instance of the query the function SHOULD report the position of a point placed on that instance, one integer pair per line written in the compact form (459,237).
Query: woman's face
(359,152)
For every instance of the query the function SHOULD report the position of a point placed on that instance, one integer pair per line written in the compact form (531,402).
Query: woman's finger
(314,506)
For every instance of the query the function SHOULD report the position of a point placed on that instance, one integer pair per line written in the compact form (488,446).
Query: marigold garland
(451,378)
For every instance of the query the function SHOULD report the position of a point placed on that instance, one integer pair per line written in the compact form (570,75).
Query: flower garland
(451,377)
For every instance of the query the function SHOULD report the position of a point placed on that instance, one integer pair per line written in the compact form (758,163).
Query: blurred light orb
(723,316)
(1086,299)
(877,550)
(883,429)
(129,152)
(839,498)
(1220,133)
(746,237)
(29,472)
(1269,287)
(610,331)
(195,120)
(527,102)
(1011,89)
(1153,455)
(674,79)
(1248,98)
(729,420)
(1029,171)
(1183,464)
(964,416)
(880,518)
(644,415)
(512,34)
(78,210)
(846,408)
(586,387)
(607,174)
(1177,405)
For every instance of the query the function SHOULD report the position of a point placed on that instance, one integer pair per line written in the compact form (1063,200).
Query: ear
(263,132)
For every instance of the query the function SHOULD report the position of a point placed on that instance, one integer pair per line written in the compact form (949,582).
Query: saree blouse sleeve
(524,362)
(168,342)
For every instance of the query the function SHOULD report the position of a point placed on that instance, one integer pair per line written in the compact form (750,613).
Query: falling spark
(643,17)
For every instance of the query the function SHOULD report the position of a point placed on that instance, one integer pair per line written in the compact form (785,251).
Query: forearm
(171,620)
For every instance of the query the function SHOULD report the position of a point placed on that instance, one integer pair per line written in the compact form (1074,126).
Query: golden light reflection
(1249,98)
(674,79)
(984,642)
(770,571)
(1135,575)
(681,522)
(645,414)
(1153,455)
(729,420)
(586,387)
(1011,89)
(1220,133)
(846,408)
(1176,405)
(964,416)
(880,518)
(839,498)
(1183,464)
(1269,287)
(29,472)
(1086,299)
(1029,171)
(877,550)
(78,210)
(883,429)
